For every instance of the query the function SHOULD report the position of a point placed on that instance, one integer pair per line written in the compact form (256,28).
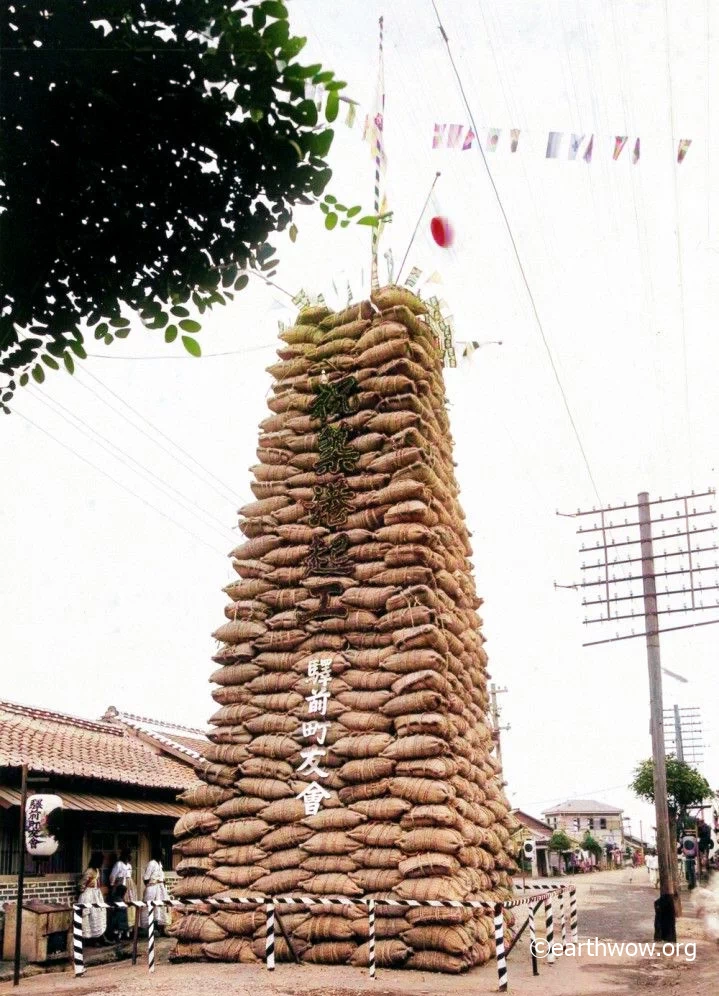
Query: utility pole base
(665,928)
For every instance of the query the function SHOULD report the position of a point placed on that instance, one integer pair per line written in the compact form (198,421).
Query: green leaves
(191,345)
(230,74)
(333,105)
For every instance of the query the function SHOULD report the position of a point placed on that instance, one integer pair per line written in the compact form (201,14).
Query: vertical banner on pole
(379,157)
(270,937)
(499,947)
(371,937)
(78,959)
(151,936)
(573,914)
(549,920)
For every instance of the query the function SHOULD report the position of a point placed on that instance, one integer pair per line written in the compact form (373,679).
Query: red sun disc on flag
(442,232)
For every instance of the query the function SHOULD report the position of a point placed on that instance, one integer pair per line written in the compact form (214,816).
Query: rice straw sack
(279,860)
(428,863)
(325,928)
(369,680)
(202,796)
(379,857)
(413,702)
(196,887)
(431,767)
(231,949)
(241,831)
(443,840)
(265,767)
(285,837)
(265,788)
(374,879)
(246,854)
(386,928)
(334,819)
(187,951)
(362,745)
(330,842)
(284,811)
(377,835)
(363,791)
(422,915)
(329,863)
(197,821)
(195,846)
(418,746)
(367,770)
(431,888)
(198,865)
(240,806)
(236,876)
(330,953)
(382,809)
(332,884)
(453,940)
(275,883)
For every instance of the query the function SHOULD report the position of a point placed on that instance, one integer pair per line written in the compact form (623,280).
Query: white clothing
(155,892)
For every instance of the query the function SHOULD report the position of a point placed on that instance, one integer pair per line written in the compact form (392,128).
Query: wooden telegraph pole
(611,567)
(20,879)
(666,853)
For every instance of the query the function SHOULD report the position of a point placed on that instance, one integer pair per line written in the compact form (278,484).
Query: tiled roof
(56,743)
(179,740)
(582,807)
(533,824)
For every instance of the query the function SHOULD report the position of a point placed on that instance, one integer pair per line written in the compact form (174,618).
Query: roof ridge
(120,714)
(37,712)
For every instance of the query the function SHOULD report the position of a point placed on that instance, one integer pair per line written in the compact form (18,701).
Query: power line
(118,483)
(125,458)
(416,227)
(205,356)
(516,252)
(142,418)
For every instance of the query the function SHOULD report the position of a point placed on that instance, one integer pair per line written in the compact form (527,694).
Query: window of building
(602,823)
(591,822)
(110,844)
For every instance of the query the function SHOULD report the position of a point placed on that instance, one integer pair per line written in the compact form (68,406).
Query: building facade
(579,816)
(119,779)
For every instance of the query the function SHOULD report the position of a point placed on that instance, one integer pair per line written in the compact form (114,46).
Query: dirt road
(611,908)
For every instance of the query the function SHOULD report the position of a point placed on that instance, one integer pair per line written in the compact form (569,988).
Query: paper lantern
(39,838)
(442,232)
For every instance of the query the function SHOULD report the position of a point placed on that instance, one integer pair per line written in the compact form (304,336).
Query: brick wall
(61,888)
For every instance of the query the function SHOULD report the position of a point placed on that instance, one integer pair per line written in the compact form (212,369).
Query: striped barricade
(495,910)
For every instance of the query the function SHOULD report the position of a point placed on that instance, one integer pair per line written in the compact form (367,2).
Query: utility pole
(20,879)
(668,893)
(496,712)
(611,568)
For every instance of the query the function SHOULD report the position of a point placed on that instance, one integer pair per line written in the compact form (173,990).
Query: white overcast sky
(105,601)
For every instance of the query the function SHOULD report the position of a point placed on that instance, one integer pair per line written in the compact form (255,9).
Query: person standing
(155,892)
(652,863)
(94,919)
(123,890)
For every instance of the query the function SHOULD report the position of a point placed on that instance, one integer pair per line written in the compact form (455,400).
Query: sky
(111,585)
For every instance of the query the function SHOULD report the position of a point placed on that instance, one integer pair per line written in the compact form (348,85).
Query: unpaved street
(610,908)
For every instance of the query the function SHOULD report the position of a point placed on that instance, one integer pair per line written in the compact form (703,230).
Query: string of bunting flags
(560,144)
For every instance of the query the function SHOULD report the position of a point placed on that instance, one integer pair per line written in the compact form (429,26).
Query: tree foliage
(686,786)
(591,844)
(559,841)
(150,148)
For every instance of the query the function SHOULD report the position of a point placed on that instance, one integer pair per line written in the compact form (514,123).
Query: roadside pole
(665,922)
(20,879)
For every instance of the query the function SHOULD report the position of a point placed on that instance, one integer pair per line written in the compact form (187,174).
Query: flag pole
(378,128)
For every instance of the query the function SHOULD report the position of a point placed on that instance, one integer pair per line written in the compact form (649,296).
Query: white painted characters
(319,672)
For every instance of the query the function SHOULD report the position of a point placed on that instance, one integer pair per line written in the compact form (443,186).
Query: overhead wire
(518,258)
(128,460)
(229,492)
(117,483)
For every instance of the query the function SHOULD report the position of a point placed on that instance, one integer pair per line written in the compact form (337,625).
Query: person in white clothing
(155,892)
(652,862)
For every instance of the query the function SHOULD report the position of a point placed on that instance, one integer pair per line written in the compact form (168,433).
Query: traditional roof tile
(582,807)
(57,743)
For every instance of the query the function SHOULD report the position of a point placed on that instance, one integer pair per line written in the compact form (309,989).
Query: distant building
(577,816)
(118,777)
(539,833)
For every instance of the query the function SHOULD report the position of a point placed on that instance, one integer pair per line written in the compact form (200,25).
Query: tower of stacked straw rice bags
(351,754)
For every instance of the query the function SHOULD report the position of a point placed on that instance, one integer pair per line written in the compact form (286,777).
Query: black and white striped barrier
(573,914)
(549,924)
(496,910)
(371,937)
